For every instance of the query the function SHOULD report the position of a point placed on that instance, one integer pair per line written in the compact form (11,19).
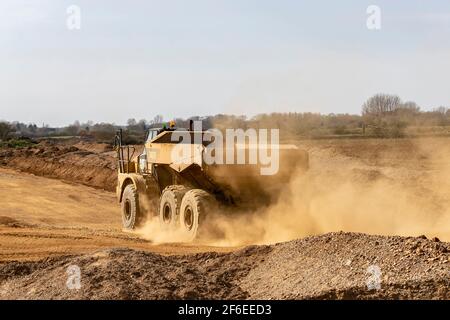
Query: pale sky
(178,58)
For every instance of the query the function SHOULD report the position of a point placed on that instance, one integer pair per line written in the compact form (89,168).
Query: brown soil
(41,217)
(86,163)
(331,266)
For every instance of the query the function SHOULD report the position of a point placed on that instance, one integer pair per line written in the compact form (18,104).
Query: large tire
(131,215)
(195,206)
(169,206)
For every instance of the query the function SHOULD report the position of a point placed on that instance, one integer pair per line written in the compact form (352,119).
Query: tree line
(382,115)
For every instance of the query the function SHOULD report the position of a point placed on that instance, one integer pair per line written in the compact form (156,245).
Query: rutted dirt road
(41,217)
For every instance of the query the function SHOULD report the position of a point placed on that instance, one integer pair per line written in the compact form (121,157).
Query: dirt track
(41,217)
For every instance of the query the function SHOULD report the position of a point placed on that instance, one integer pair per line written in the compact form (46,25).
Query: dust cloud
(399,190)
(152,231)
(385,187)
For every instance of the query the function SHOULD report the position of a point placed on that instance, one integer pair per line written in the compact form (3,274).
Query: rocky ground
(331,266)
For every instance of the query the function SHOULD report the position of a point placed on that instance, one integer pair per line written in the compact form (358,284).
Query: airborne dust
(387,187)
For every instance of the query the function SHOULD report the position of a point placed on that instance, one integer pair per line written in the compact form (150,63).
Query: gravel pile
(332,266)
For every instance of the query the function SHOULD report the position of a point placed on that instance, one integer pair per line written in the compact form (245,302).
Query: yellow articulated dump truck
(182,176)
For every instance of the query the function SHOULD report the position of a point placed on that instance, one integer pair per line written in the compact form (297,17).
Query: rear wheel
(195,206)
(131,215)
(169,206)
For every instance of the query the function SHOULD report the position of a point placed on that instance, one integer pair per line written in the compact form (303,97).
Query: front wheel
(194,207)
(131,216)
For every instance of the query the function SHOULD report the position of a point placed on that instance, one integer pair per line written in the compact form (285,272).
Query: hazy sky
(199,57)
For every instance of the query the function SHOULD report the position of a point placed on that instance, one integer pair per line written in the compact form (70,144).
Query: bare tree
(73,129)
(410,106)
(381,104)
(157,119)
(5,130)
(131,122)
(142,124)
(441,110)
